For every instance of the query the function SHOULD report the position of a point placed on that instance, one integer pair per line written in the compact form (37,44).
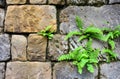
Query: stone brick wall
(26,55)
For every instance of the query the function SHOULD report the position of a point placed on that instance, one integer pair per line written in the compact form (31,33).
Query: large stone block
(36,47)
(2,3)
(30,18)
(62,2)
(28,70)
(2,15)
(18,48)
(114,1)
(4,47)
(68,71)
(105,16)
(16,1)
(57,46)
(110,71)
(2,70)
(38,1)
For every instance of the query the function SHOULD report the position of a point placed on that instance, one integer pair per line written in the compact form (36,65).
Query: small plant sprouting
(46,32)
(87,56)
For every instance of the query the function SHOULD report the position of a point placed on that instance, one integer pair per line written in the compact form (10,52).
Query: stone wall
(26,55)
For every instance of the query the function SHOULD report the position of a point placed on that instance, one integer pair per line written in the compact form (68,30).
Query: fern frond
(79,23)
(112,44)
(90,68)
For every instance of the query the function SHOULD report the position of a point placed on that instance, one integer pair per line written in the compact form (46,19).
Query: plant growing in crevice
(46,32)
(87,56)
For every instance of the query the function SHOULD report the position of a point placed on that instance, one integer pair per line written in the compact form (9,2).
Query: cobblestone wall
(26,55)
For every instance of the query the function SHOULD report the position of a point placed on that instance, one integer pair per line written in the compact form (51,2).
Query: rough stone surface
(18,48)
(2,70)
(97,1)
(30,18)
(2,3)
(56,2)
(110,71)
(38,1)
(117,47)
(28,70)
(57,46)
(105,16)
(1,30)
(76,1)
(114,1)
(4,47)
(68,71)
(36,47)
(16,1)
(2,15)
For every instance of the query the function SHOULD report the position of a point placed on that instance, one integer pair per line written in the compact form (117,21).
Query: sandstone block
(30,18)
(2,70)
(57,46)
(2,15)
(18,48)
(62,2)
(4,47)
(28,70)
(16,1)
(36,47)
(68,71)
(38,1)
(110,71)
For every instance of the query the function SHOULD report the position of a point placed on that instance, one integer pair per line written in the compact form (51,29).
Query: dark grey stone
(65,70)
(57,46)
(76,1)
(2,3)
(2,16)
(114,1)
(110,71)
(117,47)
(4,47)
(2,70)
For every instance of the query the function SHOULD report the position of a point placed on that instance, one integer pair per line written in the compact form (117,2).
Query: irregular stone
(38,1)
(105,16)
(62,2)
(110,71)
(36,47)
(4,47)
(2,70)
(117,47)
(68,71)
(18,48)
(30,18)
(28,70)
(114,1)
(16,1)
(96,1)
(2,3)
(76,1)
(2,16)
(57,46)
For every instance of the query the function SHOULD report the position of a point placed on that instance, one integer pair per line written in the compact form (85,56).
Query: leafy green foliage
(46,33)
(87,56)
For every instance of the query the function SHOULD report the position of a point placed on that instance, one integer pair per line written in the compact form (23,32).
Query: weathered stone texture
(16,1)
(57,46)
(36,47)
(68,71)
(76,1)
(28,70)
(2,3)
(117,47)
(18,48)
(2,15)
(114,1)
(2,70)
(97,1)
(105,16)
(56,2)
(38,1)
(30,18)
(110,71)
(4,47)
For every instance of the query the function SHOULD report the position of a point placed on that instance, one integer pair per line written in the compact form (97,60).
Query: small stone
(28,70)
(2,70)
(76,1)
(2,16)
(18,48)
(36,47)
(57,46)
(110,71)
(30,18)
(2,3)
(38,1)
(96,1)
(4,47)
(62,2)
(65,70)
(114,1)
(16,1)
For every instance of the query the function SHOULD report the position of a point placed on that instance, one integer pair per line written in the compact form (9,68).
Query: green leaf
(90,68)
(112,44)
(79,23)
(48,28)
(82,38)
